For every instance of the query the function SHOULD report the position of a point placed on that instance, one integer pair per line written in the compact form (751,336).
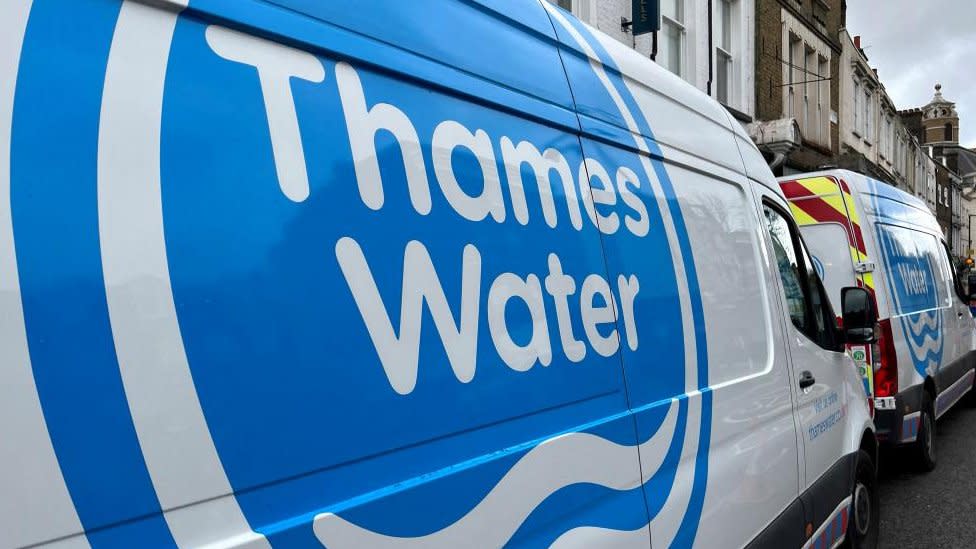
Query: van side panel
(932,330)
(368,334)
(917,291)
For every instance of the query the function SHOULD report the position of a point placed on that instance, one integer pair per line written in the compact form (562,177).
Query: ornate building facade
(797,54)
(936,126)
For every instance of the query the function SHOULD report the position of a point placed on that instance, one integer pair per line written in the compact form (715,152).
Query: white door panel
(753,474)
(820,372)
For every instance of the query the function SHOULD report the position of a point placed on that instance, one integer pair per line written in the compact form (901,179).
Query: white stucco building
(684,43)
(874,139)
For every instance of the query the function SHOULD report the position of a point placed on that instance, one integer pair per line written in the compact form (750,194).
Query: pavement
(933,510)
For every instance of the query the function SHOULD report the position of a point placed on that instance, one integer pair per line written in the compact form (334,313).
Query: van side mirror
(859,315)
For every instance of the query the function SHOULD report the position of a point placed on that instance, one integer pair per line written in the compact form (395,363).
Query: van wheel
(924,446)
(864,526)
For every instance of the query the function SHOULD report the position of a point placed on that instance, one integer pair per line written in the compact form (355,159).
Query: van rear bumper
(900,425)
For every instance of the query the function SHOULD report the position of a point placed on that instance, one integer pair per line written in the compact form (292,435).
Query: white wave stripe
(930,345)
(926,320)
(35,505)
(190,482)
(554,464)
(605,538)
(664,527)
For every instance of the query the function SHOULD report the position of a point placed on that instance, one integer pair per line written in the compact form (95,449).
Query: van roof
(677,131)
(885,202)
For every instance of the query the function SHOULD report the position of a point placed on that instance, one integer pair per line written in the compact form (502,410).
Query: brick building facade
(797,53)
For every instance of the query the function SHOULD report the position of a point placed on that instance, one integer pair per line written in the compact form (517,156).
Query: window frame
(678,24)
(793,42)
(829,339)
(956,281)
(724,58)
(868,125)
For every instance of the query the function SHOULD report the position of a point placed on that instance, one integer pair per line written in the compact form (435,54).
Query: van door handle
(806,379)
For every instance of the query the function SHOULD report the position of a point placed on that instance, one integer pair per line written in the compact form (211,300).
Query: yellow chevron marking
(849,202)
(802,218)
(819,185)
(868,280)
(842,202)
(836,202)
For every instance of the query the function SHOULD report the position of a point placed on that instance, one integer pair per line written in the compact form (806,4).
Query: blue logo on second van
(912,271)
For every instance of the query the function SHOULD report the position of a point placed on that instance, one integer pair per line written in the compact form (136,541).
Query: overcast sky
(915,44)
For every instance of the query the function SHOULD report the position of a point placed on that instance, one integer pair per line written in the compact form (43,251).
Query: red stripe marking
(843,185)
(858,238)
(793,189)
(843,520)
(821,210)
(824,212)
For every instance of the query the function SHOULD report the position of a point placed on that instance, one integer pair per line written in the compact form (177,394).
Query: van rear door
(825,210)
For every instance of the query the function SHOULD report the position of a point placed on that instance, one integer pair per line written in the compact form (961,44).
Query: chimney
(857,41)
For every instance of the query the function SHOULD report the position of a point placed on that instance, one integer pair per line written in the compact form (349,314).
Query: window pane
(719,22)
(723,77)
(792,60)
(867,115)
(669,47)
(789,270)
(673,9)
(911,268)
(817,300)
(566,4)
(724,26)
(809,93)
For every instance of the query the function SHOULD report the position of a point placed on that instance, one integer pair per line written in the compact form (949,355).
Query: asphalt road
(937,509)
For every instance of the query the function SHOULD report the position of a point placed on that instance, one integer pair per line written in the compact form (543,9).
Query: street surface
(934,510)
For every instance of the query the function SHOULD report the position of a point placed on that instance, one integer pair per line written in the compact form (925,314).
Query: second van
(862,231)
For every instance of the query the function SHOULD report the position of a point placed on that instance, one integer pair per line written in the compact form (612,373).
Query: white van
(867,233)
(296,274)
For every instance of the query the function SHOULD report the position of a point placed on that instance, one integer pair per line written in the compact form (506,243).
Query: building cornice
(832,43)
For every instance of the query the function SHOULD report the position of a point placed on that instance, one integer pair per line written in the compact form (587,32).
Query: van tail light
(885,361)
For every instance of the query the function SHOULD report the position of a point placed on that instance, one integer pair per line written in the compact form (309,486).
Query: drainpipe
(711,50)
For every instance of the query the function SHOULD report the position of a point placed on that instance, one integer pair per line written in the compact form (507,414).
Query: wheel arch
(869,443)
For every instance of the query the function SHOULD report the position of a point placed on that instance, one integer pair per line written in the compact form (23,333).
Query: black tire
(923,449)
(864,526)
